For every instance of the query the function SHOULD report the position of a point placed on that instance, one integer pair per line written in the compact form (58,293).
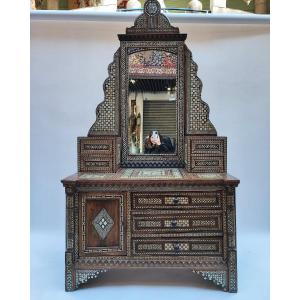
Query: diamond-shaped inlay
(103,223)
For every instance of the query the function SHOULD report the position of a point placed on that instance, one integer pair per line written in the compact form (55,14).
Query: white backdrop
(68,67)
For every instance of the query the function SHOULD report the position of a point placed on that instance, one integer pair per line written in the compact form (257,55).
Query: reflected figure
(156,144)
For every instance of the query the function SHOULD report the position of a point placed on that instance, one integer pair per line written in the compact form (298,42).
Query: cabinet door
(102,224)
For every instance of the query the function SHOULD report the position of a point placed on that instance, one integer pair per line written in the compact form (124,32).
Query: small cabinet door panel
(102,221)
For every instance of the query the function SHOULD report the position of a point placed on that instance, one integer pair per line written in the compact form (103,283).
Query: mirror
(152,97)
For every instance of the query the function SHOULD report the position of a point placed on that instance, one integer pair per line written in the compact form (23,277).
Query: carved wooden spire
(152,20)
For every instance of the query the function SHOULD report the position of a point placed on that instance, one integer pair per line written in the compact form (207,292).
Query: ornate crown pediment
(152,20)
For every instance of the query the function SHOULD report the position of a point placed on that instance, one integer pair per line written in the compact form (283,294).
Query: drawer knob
(175,200)
(173,223)
(176,247)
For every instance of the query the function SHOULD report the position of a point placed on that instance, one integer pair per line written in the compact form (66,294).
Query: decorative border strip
(162,228)
(189,252)
(182,261)
(201,195)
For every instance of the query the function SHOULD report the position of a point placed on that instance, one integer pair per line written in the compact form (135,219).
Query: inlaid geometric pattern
(106,112)
(204,223)
(161,174)
(203,199)
(149,247)
(103,223)
(204,247)
(149,201)
(149,224)
(218,277)
(176,200)
(177,223)
(151,174)
(198,111)
(94,176)
(211,176)
(152,20)
(176,246)
(161,246)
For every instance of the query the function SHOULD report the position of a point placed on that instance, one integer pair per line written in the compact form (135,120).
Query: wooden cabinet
(123,222)
(172,206)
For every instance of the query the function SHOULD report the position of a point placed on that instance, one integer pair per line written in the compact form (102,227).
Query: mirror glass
(152,126)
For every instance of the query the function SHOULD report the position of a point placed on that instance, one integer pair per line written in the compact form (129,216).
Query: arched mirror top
(152,95)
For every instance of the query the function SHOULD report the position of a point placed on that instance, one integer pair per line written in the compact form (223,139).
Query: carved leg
(219,278)
(69,273)
(232,271)
(83,276)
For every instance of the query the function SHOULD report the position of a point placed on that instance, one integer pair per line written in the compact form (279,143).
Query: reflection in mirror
(152,127)
(152,102)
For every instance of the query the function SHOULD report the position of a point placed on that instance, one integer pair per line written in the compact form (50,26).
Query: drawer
(98,154)
(208,146)
(199,246)
(96,163)
(202,200)
(210,164)
(104,146)
(177,221)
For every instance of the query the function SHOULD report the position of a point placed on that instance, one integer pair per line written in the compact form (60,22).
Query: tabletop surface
(154,174)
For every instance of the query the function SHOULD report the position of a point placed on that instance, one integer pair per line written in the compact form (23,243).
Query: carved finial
(152,7)
(152,20)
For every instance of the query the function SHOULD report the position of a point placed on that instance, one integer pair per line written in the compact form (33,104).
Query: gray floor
(47,275)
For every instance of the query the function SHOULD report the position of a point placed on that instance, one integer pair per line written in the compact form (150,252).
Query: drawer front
(98,154)
(177,222)
(202,200)
(212,146)
(213,164)
(97,146)
(205,246)
(96,163)
(206,154)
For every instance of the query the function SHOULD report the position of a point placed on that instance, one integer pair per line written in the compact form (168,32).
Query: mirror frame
(151,30)
(175,159)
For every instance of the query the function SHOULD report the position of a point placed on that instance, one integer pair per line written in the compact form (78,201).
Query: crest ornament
(152,7)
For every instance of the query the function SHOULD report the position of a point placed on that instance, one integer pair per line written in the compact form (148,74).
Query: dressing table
(129,208)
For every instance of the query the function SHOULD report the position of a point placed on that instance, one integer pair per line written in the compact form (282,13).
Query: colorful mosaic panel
(153,63)
(151,174)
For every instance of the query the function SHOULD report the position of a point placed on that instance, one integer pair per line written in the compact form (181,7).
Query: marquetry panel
(94,163)
(203,200)
(191,221)
(97,146)
(186,247)
(206,154)
(98,154)
(101,223)
(208,146)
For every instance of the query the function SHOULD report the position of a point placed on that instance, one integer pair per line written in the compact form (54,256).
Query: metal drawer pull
(175,200)
(173,223)
(176,247)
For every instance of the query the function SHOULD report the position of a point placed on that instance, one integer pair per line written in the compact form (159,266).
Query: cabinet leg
(69,273)
(83,276)
(219,278)
(74,278)
(232,271)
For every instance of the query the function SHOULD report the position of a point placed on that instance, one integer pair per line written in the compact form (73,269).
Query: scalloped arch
(107,112)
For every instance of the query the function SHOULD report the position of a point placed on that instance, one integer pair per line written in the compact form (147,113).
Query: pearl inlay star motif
(103,223)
